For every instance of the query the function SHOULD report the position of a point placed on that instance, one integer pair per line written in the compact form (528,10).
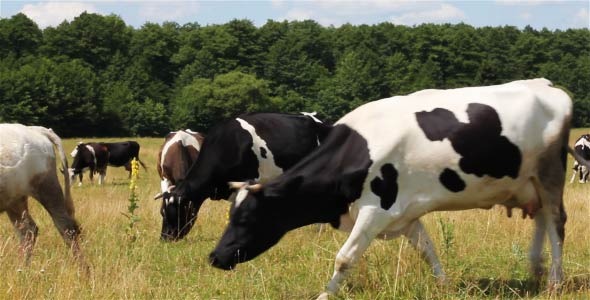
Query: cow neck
(321,186)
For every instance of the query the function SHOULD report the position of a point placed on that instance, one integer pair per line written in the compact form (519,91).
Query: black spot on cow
(483,149)
(386,187)
(263,152)
(437,124)
(451,180)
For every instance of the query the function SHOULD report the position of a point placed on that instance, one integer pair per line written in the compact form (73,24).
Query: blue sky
(552,14)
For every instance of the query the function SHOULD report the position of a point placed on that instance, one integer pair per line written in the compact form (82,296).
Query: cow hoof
(442,280)
(553,287)
(323,296)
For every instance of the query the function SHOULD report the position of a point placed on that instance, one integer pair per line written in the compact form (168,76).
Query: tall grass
(483,252)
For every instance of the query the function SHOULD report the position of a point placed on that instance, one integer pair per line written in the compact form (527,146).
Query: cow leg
(549,186)
(128,168)
(551,220)
(101,176)
(575,171)
(535,254)
(25,226)
(369,223)
(49,193)
(80,178)
(421,241)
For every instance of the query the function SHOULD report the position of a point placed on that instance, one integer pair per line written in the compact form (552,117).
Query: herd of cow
(373,173)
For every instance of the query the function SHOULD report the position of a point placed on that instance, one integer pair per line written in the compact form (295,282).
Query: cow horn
(254,187)
(236,185)
(158,196)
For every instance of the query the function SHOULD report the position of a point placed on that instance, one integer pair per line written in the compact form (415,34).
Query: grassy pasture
(483,252)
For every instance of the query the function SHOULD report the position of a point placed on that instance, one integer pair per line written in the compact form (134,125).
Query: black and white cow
(178,153)
(97,156)
(389,162)
(255,146)
(28,169)
(582,147)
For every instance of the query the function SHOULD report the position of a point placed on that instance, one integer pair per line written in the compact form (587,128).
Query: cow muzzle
(224,264)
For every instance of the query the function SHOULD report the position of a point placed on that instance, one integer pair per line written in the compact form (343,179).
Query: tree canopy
(97,76)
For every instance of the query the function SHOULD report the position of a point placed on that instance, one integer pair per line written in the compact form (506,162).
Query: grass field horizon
(484,253)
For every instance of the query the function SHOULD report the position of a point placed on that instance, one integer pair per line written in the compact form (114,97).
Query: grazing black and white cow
(389,162)
(178,153)
(582,147)
(97,156)
(255,146)
(28,168)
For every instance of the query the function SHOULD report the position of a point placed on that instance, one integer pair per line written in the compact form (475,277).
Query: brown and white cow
(28,168)
(582,148)
(97,156)
(389,162)
(178,153)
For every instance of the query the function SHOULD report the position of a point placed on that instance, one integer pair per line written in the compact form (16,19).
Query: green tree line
(97,76)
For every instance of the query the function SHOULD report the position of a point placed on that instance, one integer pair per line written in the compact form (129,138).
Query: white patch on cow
(164,185)
(582,142)
(241,195)
(312,115)
(267,167)
(183,137)
(93,153)
(75,151)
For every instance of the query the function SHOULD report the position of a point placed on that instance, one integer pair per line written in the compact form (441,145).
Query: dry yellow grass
(483,251)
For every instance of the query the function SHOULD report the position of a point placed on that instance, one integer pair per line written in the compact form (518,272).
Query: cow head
(254,227)
(179,213)
(260,218)
(83,158)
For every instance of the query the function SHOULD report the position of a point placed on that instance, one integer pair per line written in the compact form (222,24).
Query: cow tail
(64,167)
(141,163)
(578,158)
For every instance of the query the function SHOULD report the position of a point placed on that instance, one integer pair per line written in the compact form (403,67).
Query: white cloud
(167,11)
(443,13)
(53,13)
(527,2)
(582,18)
(338,12)
(298,14)
(526,16)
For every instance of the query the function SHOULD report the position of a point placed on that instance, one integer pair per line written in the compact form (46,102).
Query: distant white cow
(28,168)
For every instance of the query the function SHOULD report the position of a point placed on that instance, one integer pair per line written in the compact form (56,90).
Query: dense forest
(97,76)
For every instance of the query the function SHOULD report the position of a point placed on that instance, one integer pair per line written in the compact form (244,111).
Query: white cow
(389,162)
(28,168)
